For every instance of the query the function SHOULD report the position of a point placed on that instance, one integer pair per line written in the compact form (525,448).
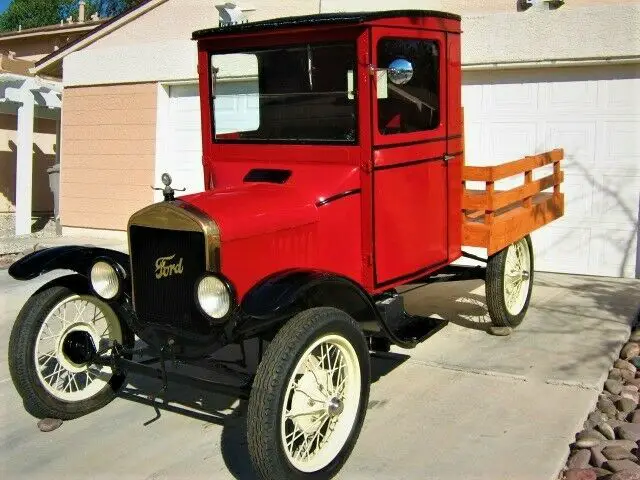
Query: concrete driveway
(463,405)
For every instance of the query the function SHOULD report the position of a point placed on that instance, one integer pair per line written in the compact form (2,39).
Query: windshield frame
(287,42)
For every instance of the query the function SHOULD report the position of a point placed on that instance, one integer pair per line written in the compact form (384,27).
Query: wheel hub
(335,407)
(78,347)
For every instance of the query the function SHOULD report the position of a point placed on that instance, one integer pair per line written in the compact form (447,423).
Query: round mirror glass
(400,71)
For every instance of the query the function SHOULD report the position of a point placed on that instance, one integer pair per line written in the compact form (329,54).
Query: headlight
(213,296)
(105,281)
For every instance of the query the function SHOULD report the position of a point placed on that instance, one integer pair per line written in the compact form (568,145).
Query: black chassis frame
(263,310)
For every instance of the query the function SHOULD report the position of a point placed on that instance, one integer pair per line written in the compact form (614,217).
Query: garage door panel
(618,198)
(568,96)
(567,247)
(512,98)
(577,138)
(614,252)
(620,96)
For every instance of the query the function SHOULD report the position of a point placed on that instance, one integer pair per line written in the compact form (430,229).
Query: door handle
(448,157)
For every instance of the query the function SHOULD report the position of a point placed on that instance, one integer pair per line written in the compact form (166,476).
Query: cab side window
(408,85)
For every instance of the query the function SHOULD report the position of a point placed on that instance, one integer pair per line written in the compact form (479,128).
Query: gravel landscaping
(609,446)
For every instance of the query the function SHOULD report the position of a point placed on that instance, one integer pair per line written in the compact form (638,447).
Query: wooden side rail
(496,218)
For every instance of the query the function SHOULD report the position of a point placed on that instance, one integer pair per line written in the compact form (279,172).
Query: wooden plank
(512,223)
(475,234)
(521,221)
(505,170)
(481,200)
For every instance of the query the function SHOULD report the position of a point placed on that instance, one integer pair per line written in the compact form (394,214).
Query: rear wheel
(509,282)
(54,337)
(309,397)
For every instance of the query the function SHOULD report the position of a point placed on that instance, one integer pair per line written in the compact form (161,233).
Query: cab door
(409,153)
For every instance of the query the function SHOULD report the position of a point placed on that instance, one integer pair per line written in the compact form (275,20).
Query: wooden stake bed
(494,219)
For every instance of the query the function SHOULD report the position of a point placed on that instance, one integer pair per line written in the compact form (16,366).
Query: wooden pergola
(28,98)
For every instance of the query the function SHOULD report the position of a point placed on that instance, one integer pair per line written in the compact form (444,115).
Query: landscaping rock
(634,381)
(627,376)
(626,444)
(630,388)
(629,431)
(625,365)
(635,416)
(631,396)
(589,438)
(580,474)
(49,424)
(616,453)
(581,458)
(597,417)
(615,374)
(613,386)
(635,361)
(623,466)
(606,406)
(606,430)
(614,422)
(500,331)
(597,458)
(625,475)
(635,336)
(626,405)
(630,350)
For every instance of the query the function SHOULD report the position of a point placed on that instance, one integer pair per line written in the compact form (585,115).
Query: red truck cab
(347,165)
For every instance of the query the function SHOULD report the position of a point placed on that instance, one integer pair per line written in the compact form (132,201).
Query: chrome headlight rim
(119,275)
(230,293)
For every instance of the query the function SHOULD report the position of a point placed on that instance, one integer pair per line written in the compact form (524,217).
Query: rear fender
(76,258)
(279,297)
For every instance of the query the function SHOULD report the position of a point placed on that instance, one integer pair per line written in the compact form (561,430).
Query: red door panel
(410,228)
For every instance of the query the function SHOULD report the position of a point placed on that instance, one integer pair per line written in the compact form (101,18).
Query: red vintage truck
(345,181)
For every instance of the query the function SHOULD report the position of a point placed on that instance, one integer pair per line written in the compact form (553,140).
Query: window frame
(356,94)
(437,133)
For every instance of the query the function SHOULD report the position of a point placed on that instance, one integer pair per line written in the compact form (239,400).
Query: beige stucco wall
(36,47)
(462,7)
(108,154)
(44,156)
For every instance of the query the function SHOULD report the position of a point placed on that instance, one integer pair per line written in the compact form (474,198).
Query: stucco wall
(163,51)
(36,47)
(108,154)
(44,156)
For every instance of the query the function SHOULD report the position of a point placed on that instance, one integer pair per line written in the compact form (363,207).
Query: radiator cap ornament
(168,191)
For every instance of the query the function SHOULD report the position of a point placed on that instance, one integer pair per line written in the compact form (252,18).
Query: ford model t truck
(343,181)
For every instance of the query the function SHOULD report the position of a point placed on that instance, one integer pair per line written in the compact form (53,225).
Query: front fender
(73,257)
(280,296)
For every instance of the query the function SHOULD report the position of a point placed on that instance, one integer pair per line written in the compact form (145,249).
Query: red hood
(257,208)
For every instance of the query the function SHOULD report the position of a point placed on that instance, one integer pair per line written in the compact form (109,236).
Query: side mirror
(400,71)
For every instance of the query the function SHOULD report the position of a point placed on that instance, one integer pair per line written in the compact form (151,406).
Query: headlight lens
(105,280)
(214,297)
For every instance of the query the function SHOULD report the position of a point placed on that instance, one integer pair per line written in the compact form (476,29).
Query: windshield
(294,94)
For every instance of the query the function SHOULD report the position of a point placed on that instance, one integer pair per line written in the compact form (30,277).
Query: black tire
(495,288)
(22,343)
(269,391)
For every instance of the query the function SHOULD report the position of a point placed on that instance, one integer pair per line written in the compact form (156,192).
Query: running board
(402,328)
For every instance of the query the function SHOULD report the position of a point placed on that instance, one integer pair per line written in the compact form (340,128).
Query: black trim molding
(337,196)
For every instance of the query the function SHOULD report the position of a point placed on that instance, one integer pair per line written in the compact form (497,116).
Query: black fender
(279,297)
(72,257)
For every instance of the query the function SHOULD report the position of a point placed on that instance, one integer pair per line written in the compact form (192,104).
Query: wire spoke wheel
(517,273)
(321,403)
(309,397)
(74,329)
(52,345)
(509,282)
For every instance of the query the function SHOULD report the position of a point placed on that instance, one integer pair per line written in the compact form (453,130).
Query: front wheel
(309,397)
(55,335)
(509,282)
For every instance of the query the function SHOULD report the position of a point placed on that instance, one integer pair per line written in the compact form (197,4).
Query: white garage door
(180,145)
(594,114)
